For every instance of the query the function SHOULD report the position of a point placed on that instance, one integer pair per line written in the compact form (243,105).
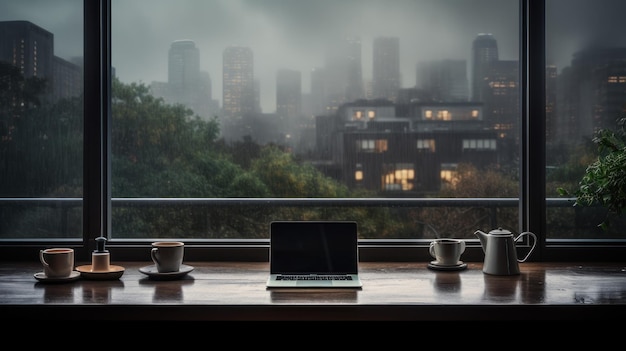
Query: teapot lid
(500,231)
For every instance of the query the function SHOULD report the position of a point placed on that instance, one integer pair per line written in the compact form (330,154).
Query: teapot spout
(482,236)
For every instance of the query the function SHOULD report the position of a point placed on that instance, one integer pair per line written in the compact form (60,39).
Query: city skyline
(143,31)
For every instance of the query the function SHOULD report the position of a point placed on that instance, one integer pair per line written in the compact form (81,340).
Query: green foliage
(40,143)
(285,177)
(604,180)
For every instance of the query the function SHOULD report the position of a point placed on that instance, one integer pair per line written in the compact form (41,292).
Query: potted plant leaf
(604,180)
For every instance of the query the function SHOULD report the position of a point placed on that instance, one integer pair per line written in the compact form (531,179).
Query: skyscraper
(484,51)
(445,80)
(386,68)
(186,83)
(238,97)
(343,72)
(30,48)
(183,67)
(288,93)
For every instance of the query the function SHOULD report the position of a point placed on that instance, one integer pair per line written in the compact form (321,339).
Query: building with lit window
(30,48)
(484,51)
(372,148)
(238,97)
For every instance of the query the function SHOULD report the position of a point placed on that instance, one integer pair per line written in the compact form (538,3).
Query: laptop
(313,254)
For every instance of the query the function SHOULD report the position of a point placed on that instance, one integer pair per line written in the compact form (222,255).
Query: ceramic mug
(57,262)
(446,251)
(167,255)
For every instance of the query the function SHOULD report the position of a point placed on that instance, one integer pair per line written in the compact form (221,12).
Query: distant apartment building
(368,146)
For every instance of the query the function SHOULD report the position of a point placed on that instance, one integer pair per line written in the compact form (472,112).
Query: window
(372,145)
(184,139)
(426,145)
(398,176)
(41,122)
(479,144)
(449,175)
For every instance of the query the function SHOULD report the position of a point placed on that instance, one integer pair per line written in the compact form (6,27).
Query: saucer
(443,267)
(41,276)
(153,273)
(114,272)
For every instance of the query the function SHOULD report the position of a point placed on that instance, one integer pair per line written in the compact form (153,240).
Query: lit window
(358,175)
(400,176)
(444,115)
(426,145)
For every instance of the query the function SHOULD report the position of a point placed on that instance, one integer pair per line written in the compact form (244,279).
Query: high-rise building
(186,83)
(445,80)
(484,51)
(501,97)
(30,48)
(238,92)
(386,68)
(551,102)
(591,93)
(288,93)
(183,73)
(343,74)
(318,100)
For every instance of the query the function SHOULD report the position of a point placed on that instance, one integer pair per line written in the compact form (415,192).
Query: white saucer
(41,276)
(444,267)
(114,272)
(152,272)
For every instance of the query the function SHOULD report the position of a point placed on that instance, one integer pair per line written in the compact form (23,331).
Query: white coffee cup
(57,262)
(167,255)
(447,251)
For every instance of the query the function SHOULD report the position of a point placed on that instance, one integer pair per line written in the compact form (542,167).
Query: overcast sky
(292,33)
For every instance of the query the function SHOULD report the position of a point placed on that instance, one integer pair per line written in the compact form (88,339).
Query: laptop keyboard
(313,277)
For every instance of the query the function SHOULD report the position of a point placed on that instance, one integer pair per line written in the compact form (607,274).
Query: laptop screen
(309,247)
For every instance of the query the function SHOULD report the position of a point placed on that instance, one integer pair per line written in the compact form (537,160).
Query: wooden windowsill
(391,291)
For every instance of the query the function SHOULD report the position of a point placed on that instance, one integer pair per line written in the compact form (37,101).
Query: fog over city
(293,34)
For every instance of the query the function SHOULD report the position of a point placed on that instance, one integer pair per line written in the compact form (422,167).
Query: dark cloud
(572,25)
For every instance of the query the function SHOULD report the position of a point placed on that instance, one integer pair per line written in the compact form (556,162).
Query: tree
(40,141)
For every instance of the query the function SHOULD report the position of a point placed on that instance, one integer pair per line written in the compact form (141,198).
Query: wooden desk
(392,291)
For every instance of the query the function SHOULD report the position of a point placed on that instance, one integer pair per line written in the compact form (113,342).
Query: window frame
(97,190)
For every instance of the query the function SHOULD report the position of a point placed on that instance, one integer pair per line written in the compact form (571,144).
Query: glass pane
(586,93)
(300,99)
(41,119)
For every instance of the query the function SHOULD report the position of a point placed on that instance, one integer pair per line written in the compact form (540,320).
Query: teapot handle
(531,249)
